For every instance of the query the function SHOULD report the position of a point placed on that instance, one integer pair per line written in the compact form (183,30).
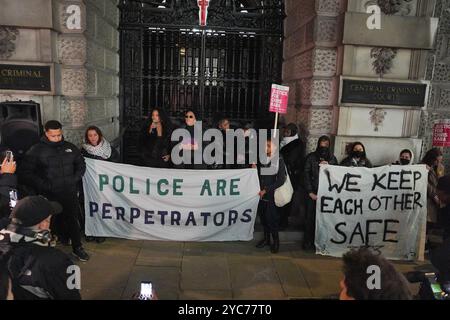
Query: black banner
(383,93)
(24,77)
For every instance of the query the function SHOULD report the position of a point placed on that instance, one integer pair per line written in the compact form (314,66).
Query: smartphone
(9,156)
(13,198)
(146,291)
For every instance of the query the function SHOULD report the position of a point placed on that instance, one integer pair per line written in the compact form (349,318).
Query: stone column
(438,72)
(313,32)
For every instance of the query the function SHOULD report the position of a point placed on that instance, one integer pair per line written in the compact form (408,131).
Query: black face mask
(323,152)
(358,154)
(404,162)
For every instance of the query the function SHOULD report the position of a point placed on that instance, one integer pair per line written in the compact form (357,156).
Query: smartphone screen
(9,156)
(146,291)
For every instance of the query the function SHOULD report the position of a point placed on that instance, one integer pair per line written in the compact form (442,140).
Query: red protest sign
(441,134)
(203,11)
(279,99)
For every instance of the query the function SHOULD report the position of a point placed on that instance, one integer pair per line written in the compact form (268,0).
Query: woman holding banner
(96,147)
(357,157)
(321,156)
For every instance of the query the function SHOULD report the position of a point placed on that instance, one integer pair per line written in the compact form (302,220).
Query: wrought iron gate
(168,61)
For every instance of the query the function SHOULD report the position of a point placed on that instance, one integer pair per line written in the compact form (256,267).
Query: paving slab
(205,273)
(292,279)
(159,254)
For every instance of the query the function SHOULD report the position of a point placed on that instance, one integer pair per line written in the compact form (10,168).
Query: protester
(267,208)
(95,146)
(37,271)
(357,157)
(5,282)
(440,256)
(293,150)
(54,168)
(406,157)
(354,286)
(193,145)
(432,159)
(8,183)
(154,140)
(321,156)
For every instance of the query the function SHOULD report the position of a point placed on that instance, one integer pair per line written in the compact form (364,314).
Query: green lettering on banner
(206,186)
(176,186)
(102,180)
(161,192)
(122,184)
(234,186)
(221,185)
(132,190)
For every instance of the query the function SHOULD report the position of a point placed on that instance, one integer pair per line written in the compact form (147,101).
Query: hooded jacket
(398,162)
(37,272)
(53,167)
(350,161)
(312,168)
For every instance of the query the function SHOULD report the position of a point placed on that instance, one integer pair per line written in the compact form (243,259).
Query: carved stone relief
(8,36)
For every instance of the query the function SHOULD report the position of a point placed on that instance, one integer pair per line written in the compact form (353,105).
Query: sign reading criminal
(383,93)
(25,77)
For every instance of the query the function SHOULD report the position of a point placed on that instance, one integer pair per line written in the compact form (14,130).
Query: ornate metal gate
(225,68)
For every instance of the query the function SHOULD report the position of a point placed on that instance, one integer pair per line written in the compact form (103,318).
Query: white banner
(384,208)
(126,201)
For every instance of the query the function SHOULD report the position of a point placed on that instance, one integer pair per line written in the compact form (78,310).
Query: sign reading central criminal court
(384,93)
(24,77)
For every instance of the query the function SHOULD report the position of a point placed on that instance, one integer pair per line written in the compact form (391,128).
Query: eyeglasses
(189,117)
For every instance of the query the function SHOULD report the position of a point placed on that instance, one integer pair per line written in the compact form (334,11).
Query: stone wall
(84,60)
(438,72)
(102,65)
(313,31)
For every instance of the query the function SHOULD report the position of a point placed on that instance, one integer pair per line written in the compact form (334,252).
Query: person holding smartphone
(154,140)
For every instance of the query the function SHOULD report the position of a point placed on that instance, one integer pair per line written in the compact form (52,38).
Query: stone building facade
(328,41)
(79,40)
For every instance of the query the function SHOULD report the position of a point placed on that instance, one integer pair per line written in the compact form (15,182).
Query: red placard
(441,133)
(279,99)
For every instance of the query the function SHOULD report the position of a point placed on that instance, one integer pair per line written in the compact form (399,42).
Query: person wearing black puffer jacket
(54,168)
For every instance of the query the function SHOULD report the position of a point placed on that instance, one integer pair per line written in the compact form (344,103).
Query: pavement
(211,270)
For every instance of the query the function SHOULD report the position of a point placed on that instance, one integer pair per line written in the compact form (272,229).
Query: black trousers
(310,221)
(66,225)
(440,259)
(268,214)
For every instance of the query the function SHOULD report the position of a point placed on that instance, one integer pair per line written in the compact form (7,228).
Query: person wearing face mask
(357,157)
(321,156)
(406,158)
(432,159)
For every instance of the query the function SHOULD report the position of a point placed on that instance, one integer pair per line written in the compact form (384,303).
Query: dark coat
(272,182)
(294,156)
(154,148)
(350,162)
(48,268)
(312,169)
(53,168)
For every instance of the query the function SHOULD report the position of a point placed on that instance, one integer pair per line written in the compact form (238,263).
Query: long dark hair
(431,156)
(165,121)
(357,143)
(97,130)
